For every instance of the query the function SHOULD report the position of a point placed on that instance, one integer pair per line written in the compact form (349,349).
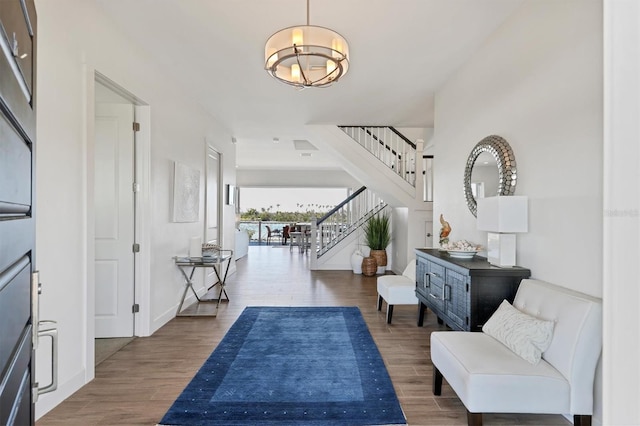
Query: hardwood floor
(138,384)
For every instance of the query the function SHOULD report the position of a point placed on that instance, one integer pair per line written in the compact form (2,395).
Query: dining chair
(272,233)
(285,234)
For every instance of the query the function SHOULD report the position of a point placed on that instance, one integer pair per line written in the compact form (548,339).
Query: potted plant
(377,235)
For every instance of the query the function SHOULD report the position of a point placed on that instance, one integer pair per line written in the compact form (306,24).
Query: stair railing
(345,218)
(389,146)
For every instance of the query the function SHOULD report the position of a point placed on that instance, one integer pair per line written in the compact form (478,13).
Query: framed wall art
(186,193)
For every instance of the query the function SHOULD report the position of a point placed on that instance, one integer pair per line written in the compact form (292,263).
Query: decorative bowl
(210,250)
(462,254)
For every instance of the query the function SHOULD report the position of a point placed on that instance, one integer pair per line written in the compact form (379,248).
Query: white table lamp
(502,216)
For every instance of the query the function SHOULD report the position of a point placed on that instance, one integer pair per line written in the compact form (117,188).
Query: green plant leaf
(377,232)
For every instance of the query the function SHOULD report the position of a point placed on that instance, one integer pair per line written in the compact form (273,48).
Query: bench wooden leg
(389,313)
(437,381)
(581,420)
(474,419)
(379,302)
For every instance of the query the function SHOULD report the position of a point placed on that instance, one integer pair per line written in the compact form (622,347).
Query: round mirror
(490,171)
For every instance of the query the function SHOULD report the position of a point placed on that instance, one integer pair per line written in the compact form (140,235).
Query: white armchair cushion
(527,336)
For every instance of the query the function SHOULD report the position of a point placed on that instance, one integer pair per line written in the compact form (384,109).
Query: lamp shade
(307,56)
(503,214)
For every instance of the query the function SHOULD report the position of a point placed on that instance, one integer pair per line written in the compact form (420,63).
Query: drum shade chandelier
(307,56)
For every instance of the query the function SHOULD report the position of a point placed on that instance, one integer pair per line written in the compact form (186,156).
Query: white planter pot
(356,262)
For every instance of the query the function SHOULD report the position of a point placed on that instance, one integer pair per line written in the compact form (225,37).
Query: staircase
(344,219)
(393,150)
(374,156)
(388,163)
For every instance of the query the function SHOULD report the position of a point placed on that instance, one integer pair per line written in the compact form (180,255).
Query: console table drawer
(435,294)
(436,271)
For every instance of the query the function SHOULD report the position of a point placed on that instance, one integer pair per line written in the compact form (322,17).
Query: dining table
(300,236)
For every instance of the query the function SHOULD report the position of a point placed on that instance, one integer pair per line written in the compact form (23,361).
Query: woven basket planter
(381,259)
(369,266)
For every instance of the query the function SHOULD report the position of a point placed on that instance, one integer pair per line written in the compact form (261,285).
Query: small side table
(216,262)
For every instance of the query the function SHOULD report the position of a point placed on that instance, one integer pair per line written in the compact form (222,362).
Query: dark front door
(18,300)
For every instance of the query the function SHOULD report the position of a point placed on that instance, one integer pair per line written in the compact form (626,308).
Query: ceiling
(402,51)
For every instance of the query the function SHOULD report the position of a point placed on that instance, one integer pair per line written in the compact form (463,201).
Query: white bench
(398,289)
(488,377)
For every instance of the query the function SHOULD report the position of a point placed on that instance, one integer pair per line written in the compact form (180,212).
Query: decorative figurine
(444,231)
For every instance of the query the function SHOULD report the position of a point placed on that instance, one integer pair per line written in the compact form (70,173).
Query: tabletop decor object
(462,249)
(293,366)
(445,230)
(209,250)
(502,216)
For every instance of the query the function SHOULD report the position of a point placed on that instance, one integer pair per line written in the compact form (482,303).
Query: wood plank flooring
(139,383)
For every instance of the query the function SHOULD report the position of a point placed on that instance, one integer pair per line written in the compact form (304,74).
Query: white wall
(621,213)
(537,82)
(543,94)
(257,178)
(74,40)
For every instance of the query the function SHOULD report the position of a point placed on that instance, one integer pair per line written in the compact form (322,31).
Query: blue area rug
(291,366)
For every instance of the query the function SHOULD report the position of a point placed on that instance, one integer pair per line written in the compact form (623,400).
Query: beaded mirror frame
(500,149)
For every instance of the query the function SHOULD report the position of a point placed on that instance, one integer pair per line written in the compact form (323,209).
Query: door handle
(445,290)
(43,329)
(48,329)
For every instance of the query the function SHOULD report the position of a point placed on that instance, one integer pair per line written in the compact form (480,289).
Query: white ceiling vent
(303,145)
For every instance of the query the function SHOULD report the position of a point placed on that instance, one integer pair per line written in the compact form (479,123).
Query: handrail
(403,137)
(381,142)
(393,129)
(389,146)
(342,204)
(343,220)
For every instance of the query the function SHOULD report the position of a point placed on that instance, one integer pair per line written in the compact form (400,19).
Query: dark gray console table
(462,293)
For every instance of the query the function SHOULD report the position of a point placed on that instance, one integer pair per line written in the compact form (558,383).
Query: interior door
(212,203)
(212,199)
(114,220)
(18,298)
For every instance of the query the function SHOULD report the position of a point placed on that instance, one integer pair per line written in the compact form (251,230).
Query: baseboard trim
(170,313)
(51,400)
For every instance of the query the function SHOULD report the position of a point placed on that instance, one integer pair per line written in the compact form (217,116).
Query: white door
(114,220)
(212,197)
(212,202)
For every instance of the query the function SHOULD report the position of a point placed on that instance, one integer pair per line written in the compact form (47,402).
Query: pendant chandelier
(307,56)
